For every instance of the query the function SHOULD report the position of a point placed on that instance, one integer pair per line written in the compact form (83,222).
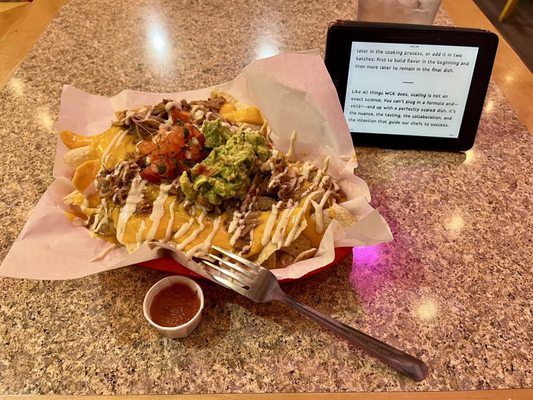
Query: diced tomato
(195,152)
(173,152)
(176,138)
(146,146)
(181,115)
(161,167)
(193,130)
(166,168)
(201,139)
(150,174)
(171,142)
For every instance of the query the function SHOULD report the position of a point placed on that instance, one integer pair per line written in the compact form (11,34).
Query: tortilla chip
(85,174)
(342,215)
(270,262)
(284,259)
(74,198)
(305,255)
(249,115)
(77,156)
(296,237)
(73,140)
(265,254)
(131,247)
(298,246)
(238,112)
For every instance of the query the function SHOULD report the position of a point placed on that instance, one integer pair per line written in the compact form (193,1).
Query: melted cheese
(203,248)
(298,219)
(250,115)
(112,146)
(272,218)
(158,211)
(73,140)
(191,230)
(85,174)
(135,195)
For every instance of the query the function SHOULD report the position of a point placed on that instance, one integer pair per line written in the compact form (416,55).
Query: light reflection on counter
(455,223)
(266,43)
(489,106)
(266,47)
(16,87)
(425,309)
(45,119)
(470,157)
(160,49)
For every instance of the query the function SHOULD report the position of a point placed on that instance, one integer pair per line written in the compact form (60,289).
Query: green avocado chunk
(228,170)
(215,133)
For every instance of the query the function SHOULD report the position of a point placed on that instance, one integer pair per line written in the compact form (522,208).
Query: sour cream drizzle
(127,119)
(326,163)
(168,107)
(139,234)
(246,248)
(196,113)
(276,178)
(290,152)
(234,221)
(277,239)
(117,139)
(100,219)
(158,211)
(265,239)
(319,212)
(135,195)
(195,233)
(203,248)
(184,228)
(168,233)
(306,169)
(299,216)
(149,113)
(237,225)
(317,182)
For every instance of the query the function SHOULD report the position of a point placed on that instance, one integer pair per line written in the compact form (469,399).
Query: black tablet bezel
(340,36)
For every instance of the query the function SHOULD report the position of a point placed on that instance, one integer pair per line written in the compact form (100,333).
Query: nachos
(197,173)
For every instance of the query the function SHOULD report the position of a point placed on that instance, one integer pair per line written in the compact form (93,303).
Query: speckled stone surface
(453,288)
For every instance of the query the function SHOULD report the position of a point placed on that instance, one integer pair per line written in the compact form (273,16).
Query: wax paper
(294,92)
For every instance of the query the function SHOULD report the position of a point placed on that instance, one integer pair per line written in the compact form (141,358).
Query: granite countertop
(453,288)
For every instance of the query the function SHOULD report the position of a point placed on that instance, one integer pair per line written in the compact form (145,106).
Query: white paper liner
(294,92)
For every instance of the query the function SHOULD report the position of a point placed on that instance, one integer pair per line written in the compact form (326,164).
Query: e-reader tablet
(410,86)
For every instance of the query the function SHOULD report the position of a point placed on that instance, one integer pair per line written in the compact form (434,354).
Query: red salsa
(174,305)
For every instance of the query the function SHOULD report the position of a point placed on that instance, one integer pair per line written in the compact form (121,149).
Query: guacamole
(228,170)
(215,133)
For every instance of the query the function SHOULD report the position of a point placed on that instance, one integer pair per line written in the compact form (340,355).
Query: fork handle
(395,358)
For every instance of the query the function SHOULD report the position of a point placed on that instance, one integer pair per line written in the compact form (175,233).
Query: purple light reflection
(367,256)
(365,273)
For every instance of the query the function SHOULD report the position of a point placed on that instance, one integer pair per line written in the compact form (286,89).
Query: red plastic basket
(169,265)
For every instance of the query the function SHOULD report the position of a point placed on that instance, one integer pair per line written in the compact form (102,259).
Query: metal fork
(260,285)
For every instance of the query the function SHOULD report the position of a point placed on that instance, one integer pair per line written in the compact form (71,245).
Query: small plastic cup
(179,331)
(403,11)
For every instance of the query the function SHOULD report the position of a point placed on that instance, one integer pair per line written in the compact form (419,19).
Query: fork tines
(236,276)
(238,258)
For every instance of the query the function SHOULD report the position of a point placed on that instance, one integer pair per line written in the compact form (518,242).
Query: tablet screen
(408,89)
